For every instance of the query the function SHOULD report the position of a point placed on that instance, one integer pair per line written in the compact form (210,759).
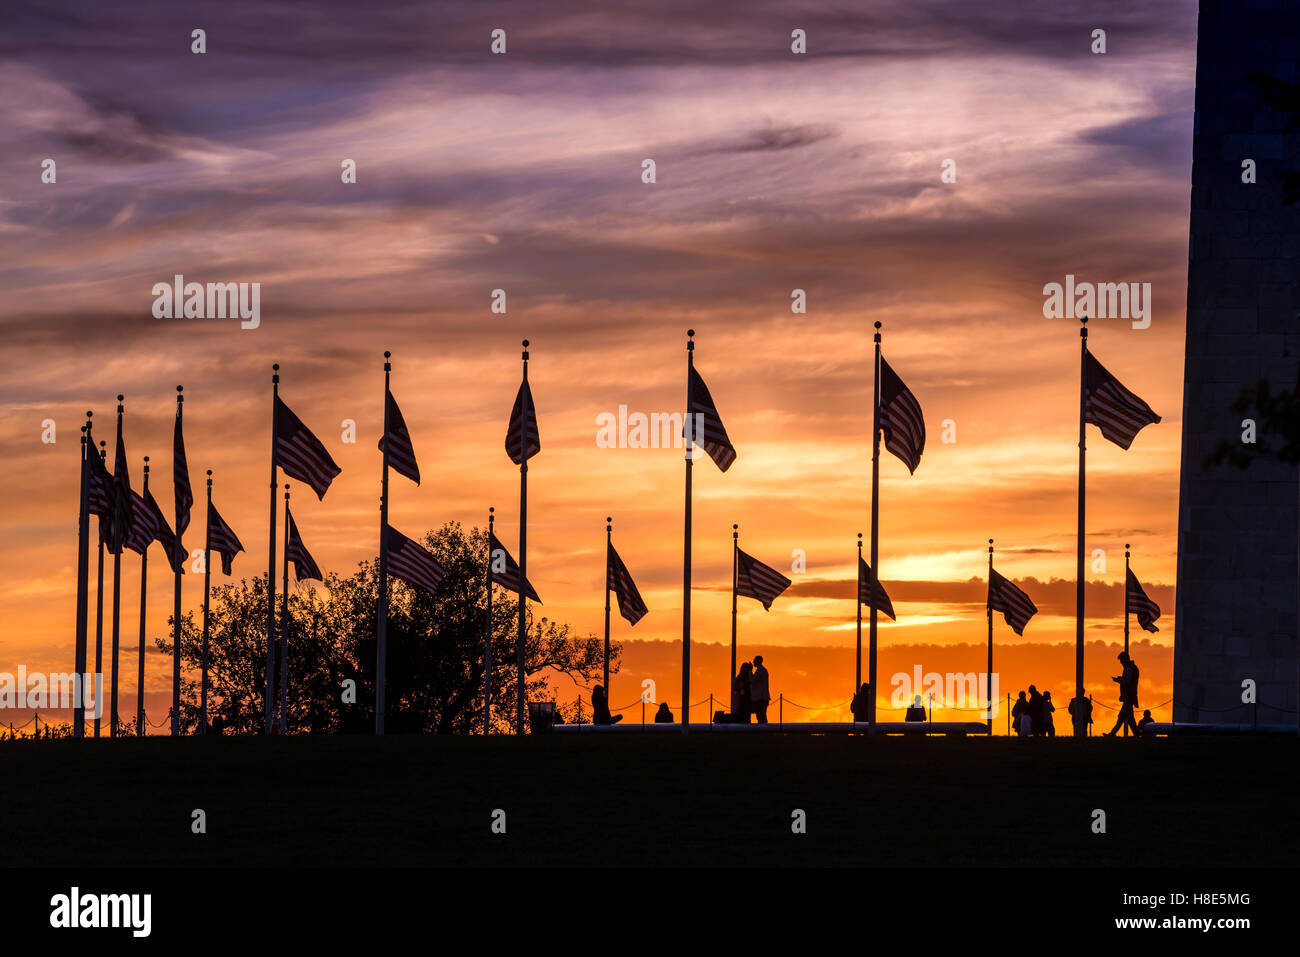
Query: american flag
(882,603)
(1014,604)
(699,406)
(99,493)
(412,563)
(300,453)
(223,538)
(401,454)
(181,478)
(504,570)
(523,428)
(1112,408)
(163,533)
(295,551)
(756,580)
(121,498)
(1137,603)
(144,527)
(619,581)
(901,421)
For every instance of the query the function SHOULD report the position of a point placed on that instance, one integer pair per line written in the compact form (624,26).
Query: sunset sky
(522,172)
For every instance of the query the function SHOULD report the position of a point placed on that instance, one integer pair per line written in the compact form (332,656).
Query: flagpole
(523,545)
(857,600)
(269,694)
(1126,573)
(487,644)
(144,578)
(988,676)
(381,627)
(1079,583)
(609,544)
(99,599)
(83,587)
(118,544)
(284,623)
(735,562)
(207,580)
(686,563)
(875,533)
(176,585)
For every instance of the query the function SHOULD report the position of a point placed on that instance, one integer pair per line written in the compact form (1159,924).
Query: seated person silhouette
(861,704)
(663,715)
(1146,720)
(600,708)
(916,712)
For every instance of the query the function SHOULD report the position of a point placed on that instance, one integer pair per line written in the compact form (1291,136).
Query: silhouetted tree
(435,650)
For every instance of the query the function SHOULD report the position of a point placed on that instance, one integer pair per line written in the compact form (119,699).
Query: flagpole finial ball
(180,388)
(492,508)
(146,458)
(121,398)
(89,414)
(525,343)
(209,471)
(691,333)
(275,367)
(387,354)
(609,518)
(877,323)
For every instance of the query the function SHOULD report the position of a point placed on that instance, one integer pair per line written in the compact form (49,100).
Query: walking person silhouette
(1128,696)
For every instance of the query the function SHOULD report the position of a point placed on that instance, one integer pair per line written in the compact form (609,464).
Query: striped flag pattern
(1112,408)
(1137,603)
(295,551)
(756,580)
(144,527)
(901,421)
(700,408)
(619,581)
(523,428)
(300,453)
(881,601)
(1014,604)
(181,479)
(99,493)
(122,504)
(508,574)
(163,533)
(223,538)
(401,454)
(412,563)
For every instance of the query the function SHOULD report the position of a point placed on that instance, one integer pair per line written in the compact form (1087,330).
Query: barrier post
(710,709)
(780,713)
(1008,714)
(1090,715)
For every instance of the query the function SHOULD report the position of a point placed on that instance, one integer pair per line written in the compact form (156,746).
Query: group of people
(600,713)
(750,694)
(1032,715)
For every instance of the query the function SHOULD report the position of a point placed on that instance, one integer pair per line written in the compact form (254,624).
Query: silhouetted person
(217,725)
(1035,711)
(663,715)
(1049,724)
(861,704)
(916,712)
(1017,714)
(741,699)
(600,708)
(1127,681)
(758,694)
(1146,720)
(1080,710)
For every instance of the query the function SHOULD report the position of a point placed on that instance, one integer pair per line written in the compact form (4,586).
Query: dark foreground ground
(652,800)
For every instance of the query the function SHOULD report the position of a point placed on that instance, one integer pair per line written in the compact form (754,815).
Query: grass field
(634,800)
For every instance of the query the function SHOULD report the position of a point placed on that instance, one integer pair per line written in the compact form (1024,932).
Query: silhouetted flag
(181,478)
(412,563)
(300,453)
(99,494)
(714,439)
(401,454)
(144,527)
(630,605)
(121,497)
(1137,603)
(295,551)
(901,422)
(525,426)
(223,538)
(1112,408)
(756,580)
(508,575)
(1014,604)
(163,533)
(881,603)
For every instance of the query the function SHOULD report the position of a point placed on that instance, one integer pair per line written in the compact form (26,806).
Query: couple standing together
(749,693)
